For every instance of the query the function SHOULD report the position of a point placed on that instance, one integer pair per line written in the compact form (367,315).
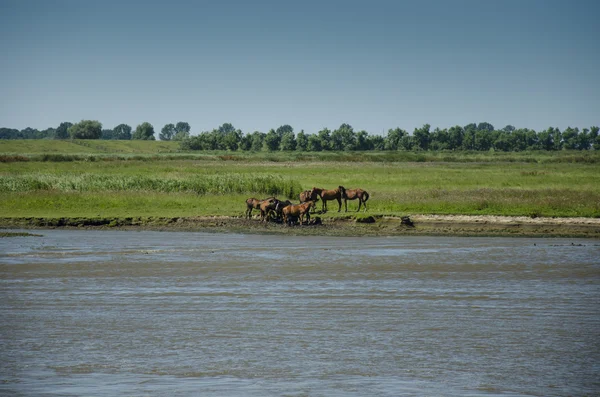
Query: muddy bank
(449,225)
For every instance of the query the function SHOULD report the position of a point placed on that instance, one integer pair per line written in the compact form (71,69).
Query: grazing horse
(327,195)
(297,210)
(353,194)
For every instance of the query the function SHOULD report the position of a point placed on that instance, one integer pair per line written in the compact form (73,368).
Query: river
(105,313)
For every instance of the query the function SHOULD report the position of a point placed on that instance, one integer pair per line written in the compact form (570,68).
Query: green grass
(192,188)
(46,178)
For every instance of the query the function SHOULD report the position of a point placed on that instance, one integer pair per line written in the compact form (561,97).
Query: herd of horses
(290,213)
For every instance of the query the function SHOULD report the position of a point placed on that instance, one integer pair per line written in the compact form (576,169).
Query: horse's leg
(346,204)
(359,203)
(339,200)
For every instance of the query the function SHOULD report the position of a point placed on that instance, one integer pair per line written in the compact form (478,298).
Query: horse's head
(343,190)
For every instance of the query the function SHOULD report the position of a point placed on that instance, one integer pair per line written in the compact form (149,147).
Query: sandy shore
(363,225)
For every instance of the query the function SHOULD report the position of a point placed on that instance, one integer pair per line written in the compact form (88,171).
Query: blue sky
(312,64)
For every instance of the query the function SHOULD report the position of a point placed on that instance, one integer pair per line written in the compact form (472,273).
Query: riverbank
(362,225)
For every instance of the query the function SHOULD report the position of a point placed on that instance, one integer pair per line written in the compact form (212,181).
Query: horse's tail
(366,196)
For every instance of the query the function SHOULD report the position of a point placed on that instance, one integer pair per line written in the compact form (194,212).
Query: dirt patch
(445,225)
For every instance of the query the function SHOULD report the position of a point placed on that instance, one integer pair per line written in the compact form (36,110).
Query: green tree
(362,141)
(182,126)
(122,132)
(288,141)
(86,129)
(314,143)
(595,137)
(231,140)
(485,127)
(325,137)
(10,133)
(439,139)
(532,139)
(503,142)
(257,141)
(284,129)
(107,134)
(570,138)
(377,142)
(392,140)
(48,133)
(344,138)
(182,131)
(455,137)
(62,132)
(585,140)
(272,141)
(301,141)
(245,142)
(167,132)
(546,139)
(483,140)
(31,133)
(144,131)
(407,143)
(468,141)
(421,137)
(337,141)
(226,128)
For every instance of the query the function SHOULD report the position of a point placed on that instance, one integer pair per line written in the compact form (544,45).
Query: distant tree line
(92,129)
(472,137)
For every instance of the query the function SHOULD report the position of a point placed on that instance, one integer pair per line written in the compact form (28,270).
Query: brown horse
(298,211)
(309,195)
(254,204)
(353,194)
(267,206)
(328,195)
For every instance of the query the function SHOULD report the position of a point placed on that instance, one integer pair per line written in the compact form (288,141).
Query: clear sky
(311,64)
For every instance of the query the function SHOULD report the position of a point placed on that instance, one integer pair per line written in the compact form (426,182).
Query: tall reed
(266,184)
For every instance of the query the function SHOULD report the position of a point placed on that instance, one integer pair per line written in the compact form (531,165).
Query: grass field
(136,178)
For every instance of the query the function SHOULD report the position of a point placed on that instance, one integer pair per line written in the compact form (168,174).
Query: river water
(106,313)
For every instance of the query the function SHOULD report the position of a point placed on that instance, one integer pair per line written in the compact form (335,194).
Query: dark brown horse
(279,206)
(353,194)
(297,211)
(328,195)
